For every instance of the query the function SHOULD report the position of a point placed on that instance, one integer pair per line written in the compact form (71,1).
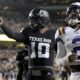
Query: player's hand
(72,57)
(1,21)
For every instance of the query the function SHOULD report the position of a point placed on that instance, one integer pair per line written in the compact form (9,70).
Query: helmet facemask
(73,15)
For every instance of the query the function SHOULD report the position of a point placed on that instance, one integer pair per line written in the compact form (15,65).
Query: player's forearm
(11,34)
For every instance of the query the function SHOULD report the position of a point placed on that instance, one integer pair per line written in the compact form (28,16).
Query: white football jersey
(68,41)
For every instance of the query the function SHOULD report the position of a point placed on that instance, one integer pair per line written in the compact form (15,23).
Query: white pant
(75,76)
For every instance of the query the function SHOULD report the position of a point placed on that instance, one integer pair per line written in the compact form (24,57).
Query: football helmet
(38,18)
(73,14)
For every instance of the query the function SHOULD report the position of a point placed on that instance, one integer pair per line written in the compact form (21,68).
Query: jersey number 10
(40,48)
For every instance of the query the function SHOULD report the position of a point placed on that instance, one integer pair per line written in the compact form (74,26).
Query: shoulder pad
(61,30)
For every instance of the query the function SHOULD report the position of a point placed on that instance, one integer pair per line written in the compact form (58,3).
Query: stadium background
(15,13)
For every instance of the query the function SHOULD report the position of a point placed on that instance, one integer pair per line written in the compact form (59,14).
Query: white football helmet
(73,14)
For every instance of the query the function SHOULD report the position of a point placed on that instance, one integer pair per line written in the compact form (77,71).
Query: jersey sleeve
(24,32)
(19,37)
(59,33)
(61,57)
(56,34)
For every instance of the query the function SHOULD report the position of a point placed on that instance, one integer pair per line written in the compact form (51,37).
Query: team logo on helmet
(38,18)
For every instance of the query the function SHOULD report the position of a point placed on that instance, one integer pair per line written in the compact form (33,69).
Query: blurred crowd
(8,65)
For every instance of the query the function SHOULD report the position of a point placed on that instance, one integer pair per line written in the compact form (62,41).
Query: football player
(40,37)
(22,62)
(68,41)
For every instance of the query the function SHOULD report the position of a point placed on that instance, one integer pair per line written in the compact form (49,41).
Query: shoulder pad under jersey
(60,31)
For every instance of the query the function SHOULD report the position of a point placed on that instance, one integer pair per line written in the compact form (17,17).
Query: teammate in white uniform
(68,41)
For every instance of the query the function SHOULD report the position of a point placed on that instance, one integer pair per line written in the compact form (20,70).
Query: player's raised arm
(11,34)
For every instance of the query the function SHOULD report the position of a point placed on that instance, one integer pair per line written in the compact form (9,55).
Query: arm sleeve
(61,56)
(14,35)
